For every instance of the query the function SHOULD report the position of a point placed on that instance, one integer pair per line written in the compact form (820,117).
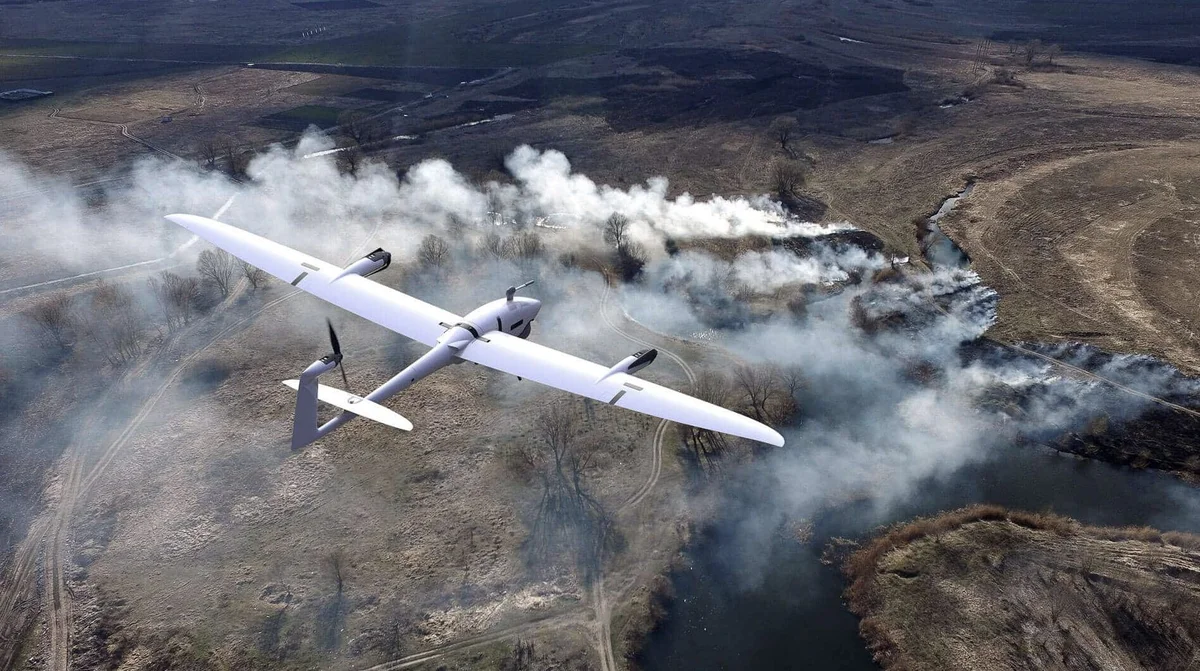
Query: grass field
(299,118)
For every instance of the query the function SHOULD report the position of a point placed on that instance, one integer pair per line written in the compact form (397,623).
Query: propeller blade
(337,348)
(344,380)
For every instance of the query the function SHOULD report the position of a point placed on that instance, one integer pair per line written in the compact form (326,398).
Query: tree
(53,314)
(1032,49)
(254,275)
(334,566)
(708,447)
(236,160)
(767,391)
(357,127)
(568,516)
(176,296)
(433,252)
(210,153)
(524,246)
(351,158)
(616,229)
(1052,52)
(115,323)
(331,614)
(784,129)
(492,246)
(216,266)
(631,257)
(788,178)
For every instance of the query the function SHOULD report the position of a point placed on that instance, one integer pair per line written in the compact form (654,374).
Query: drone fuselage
(510,316)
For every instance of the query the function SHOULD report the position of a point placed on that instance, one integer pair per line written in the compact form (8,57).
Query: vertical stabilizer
(304,424)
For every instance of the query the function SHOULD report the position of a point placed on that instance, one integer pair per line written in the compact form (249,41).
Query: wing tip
(765,434)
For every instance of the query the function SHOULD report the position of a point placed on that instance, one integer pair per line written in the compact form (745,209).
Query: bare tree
(492,246)
(254,275)
(177,297)
(568,515)
(784,129)
(631,257)
(53,314)
(351,158)
(433,252)
(334,566)
(1052,51)
(331,614)
(524,246)
(765,392)
(236,160)
(216,266)
(210,153)
(788,178)
(1032,49)
(357,127)
(115,323)
(708,447)
(616,228)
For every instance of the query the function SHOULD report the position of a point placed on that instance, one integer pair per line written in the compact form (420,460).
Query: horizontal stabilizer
(357,405)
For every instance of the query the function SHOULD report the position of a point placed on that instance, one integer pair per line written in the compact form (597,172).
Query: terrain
(176,527)
(988,588)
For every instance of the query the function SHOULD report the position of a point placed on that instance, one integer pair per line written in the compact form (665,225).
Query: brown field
(988,588)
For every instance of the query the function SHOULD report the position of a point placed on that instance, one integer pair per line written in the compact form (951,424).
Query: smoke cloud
(894,393)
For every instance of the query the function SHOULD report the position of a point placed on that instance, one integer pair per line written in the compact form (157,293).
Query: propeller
(337,352)
(512,291)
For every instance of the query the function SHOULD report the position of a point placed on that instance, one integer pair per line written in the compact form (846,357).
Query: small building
(15,95)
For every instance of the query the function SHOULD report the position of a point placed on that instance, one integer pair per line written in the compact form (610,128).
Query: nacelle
(633,363)
(369,264)
(510,316)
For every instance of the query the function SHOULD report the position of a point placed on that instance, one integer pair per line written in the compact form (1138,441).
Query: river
(939,249)
(793,616)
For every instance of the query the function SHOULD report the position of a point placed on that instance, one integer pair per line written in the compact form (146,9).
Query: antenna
(513,290)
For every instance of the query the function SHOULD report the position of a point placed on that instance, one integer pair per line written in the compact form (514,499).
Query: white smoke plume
(868,422)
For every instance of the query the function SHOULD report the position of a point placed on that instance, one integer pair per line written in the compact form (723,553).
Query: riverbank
(985,587)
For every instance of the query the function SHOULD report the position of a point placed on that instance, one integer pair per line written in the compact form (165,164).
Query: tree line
(113,319)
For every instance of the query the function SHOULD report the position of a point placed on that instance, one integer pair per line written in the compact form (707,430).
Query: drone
(494,335)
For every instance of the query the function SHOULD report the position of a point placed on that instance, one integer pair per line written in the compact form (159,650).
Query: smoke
(897,390)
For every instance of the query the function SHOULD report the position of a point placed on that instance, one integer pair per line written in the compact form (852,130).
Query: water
(792,617)
(940,250)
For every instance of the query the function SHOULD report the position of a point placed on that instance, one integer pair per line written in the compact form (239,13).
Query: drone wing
(423,322)
(563,371)
(408,316)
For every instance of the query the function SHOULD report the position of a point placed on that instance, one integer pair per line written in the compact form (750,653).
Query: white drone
(492,334)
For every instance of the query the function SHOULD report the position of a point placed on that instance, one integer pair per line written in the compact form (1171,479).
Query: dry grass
(867,596)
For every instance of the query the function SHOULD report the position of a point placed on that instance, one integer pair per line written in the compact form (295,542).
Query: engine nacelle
(369,264)
(633,363)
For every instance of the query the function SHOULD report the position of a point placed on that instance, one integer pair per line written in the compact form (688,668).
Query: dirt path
(545,623)
(601,620)
(603,613)
(76,485)
(123,127)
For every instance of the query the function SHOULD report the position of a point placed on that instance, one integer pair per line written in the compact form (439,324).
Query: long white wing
(389,308)
(423,322)
(570,373)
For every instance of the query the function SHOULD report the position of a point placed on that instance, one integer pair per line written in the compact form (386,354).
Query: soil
(993,589)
